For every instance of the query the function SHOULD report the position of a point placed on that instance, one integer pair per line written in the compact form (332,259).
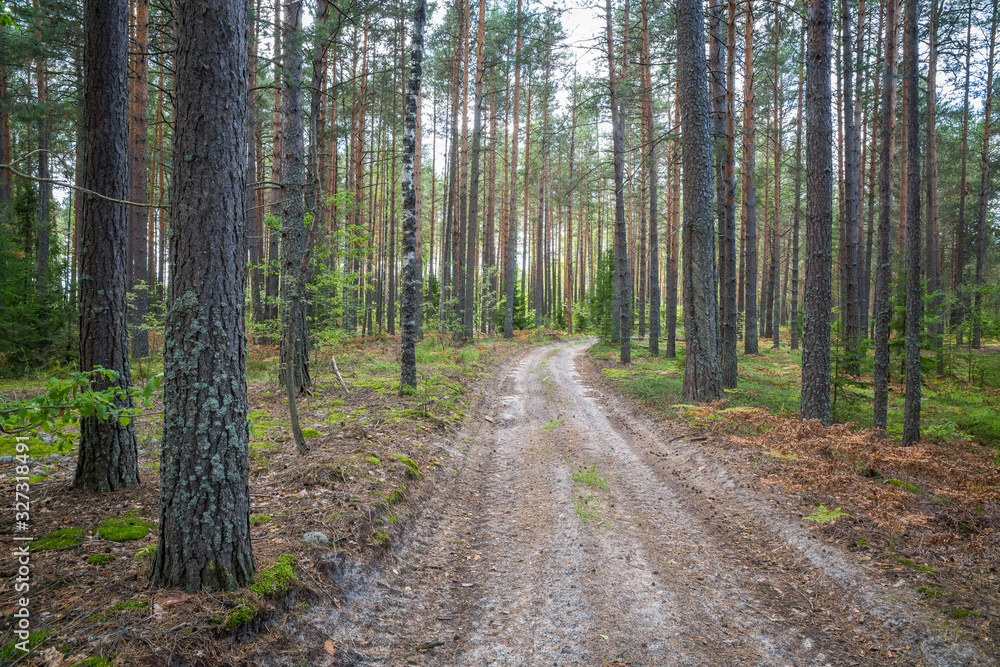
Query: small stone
(46,438)
(7,459)
(315,537)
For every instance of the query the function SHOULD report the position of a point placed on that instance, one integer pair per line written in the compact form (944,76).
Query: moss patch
(412,470)
(119,608)
(100,559)
(64,538)
(276,579)
(9,651)
(926,569)
(259,519)
(904,485)
(373,460)
(145,553)
(122,530)
(94,662)
(310,433)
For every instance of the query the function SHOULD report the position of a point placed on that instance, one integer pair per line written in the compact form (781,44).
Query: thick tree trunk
(409,311)
(293,230)
(748,192)
(819,216)
(702,372)
(933,239)
(204,529)
(914,290)
(107,460)
(883,267)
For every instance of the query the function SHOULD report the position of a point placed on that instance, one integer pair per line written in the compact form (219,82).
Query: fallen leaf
(328,646)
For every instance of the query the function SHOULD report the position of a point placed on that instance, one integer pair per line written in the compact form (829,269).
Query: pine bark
(293,230)
(797,206)
(748,192)
(958,279)
(914,290)
(204,528)
(621,243)
(819,216)
(509,268)
(138,183)
(883,267)
(702,371)
(107,460)
(654,237)
(933,269)
(984,188)
(477,140)
(852,319)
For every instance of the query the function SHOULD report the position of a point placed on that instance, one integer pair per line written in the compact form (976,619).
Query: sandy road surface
(517,561)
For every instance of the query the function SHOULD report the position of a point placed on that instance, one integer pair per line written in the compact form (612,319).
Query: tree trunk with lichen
(204,529)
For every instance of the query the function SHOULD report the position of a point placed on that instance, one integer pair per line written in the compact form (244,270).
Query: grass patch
(925,569)
(144,554)
(100,559)
(904,485)
(590,477)
(64,538)
(123,530)
(552,425)
(259,519)
(823,514)
(93,662)
(960,613)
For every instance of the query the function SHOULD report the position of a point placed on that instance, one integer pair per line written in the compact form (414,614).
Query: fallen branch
(337,371)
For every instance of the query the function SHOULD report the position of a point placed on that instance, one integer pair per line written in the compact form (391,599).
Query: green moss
(412,470)
(373,460)
(242,613)
(152,465)
(259,519)
(310,433)
(904,485)
(122,530)
(276,579)
(926,569)
(381,537)
(145,553)
(36,447)
(960,613)
(394,496)
(100,559)
(928,592)
(117,609)
(64,538)
(9,651)
(93,662)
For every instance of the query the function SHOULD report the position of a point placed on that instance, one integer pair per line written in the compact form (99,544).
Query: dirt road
(570,532)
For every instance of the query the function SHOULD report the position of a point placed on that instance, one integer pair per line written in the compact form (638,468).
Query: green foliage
(925,569)
(9,652)
(145,554)
(310,433)
(373,460)
(824,514)
(64,538)
(601,303)
(523,319)
(63,402)
(898,483)
(94,662)
(259,519)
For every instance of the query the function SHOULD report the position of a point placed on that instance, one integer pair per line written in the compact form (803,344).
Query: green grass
(590,477)
(951,407)
(925,569)
(552,425)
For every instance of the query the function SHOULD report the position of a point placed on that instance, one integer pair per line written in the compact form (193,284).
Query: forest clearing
(515,333)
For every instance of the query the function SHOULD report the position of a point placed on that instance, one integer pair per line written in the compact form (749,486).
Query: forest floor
(555,518)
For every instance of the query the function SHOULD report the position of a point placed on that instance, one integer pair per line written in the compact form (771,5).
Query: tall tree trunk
(621,248)
(851,192)
(748,191)
(293,230)
(107,460)
(719,121)
(461,236)
(654,238)
(774,307)
(819,216)
(138,184)
(883,268)
(271,285)
(797,206)
(409,311)
(44,188)
(204,527)
(984,187)
(509,268)
(477,138)
(933,239)
(702,372)
(673,234)
(914,291)
(961,299)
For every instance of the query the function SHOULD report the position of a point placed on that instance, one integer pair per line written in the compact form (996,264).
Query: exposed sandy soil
(514,560)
